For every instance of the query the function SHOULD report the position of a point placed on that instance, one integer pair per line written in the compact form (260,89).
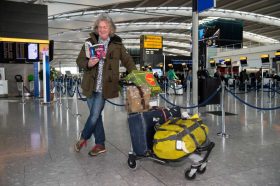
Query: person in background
(217,74)
(156,76)
(243,78)
(259,75)
(100,79)
(171,76)
(188,78)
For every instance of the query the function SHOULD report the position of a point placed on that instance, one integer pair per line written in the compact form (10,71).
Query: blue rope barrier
(253,106)
(267,91)
(81,98)
(232,88)
(85,99)
(59,87)
(120,105)
(275,90)
(70,91)
(79,81)
(241,92)
(199,105)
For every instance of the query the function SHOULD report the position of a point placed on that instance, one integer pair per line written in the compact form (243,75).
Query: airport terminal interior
(235,90)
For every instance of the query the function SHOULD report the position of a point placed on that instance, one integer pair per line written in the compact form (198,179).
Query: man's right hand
(92,62)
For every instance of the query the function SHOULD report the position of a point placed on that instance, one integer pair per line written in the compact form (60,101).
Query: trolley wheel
(132,163)
(202,168)
(190,174)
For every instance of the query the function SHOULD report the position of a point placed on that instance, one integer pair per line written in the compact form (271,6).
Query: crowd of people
(252,79)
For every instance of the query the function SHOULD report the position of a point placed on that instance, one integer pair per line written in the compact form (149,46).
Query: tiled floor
(36,144)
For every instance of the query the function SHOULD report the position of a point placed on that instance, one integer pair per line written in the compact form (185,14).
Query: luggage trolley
(142,130)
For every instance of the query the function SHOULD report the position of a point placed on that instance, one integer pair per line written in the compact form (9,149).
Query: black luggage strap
(204,130)
(189,130)
(174,121)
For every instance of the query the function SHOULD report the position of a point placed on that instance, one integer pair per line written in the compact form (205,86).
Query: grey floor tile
(37,148)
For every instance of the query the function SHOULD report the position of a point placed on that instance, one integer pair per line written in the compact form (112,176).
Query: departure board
(20,50)
(23,52)
(8,51)
(11,52)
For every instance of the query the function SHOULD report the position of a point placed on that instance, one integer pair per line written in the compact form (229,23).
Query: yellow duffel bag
(179,137)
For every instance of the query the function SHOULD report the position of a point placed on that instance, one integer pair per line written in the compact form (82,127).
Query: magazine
(96,50)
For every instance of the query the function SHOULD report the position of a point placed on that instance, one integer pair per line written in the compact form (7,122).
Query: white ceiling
(70,22)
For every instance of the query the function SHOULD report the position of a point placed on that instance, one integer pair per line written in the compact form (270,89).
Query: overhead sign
(227,59)
(152,41)
(264,56)
(203,5)
(150,49)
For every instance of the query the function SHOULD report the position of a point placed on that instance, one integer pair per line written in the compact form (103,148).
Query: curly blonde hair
(108,19)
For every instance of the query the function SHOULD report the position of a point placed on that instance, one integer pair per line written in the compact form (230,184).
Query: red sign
(150,79)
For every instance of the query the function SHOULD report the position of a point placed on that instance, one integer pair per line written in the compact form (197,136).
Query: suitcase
(141,127)
(206,87)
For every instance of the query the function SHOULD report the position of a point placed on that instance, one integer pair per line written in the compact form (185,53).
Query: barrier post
(36,67)
(46,78)
(270,92)
(22,93)
(275,88)
(66,86)
(256,89)
(223,132)
(270,88)
(245,86)
(188,94)
(245,110)
(235,84)
(53,91)
(60,90)
(76,101)
(165,86)
(60,87)
(262,90)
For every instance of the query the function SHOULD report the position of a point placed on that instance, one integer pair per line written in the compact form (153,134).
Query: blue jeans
(94,123)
